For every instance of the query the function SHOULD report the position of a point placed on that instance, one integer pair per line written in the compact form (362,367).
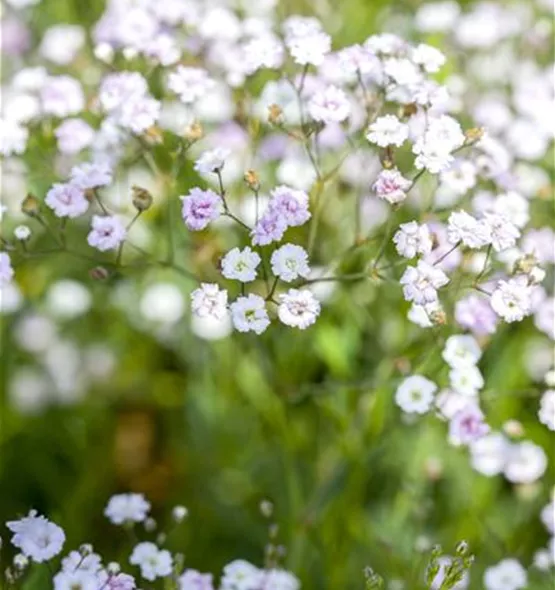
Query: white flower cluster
(40,540)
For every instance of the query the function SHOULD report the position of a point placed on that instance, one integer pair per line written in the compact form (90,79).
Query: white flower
(13,137)
(391,186)
(264,51)
(298,308)
(464,228)
(420,282)
(508,574)
(154,562)
(189,83)
(240,264)
(249,314)
(466,380)
(77,561)
(511,300)
(124,508)
(22,232)
(194,580)
(433,149)
(503,233)
(415,395)
(241,575)
(513,207)
(387,130)
(430,58)
(548,516)
(329,106)
(75,580)
(309,48)
(36,537)
(412,239)
(546,413)
(290,262)
(526,463)
(91,175)
(280,580)
(461,351)
(107,232)
(402,71)
(212,161)
(209,301)
(489,454)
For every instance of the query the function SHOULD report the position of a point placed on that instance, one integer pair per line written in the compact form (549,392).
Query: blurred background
(111,386)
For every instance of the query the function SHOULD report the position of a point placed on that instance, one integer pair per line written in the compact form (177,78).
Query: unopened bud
(86,549)
(513,428)
(153,136)
(266,508)
(22,233)
(20,561)
(150,525)
(179,513)
(194,132)
(474,134)
(252,180)
(104,52)
(438,317)
(113,568)
(525,264)
(99,273)
(408,110)
(30,205)
(462,549)
(142,199)
(536,275)
(275,114)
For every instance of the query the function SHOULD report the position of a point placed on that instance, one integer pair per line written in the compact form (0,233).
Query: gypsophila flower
(200,207)
(464,228)
(508,574)
(76,580)
(211,161)
(240,264)
(194,580)
(280,580)
(461,351)
(67,200)
(209,301)
(153,562)
(511,299)
(391,186)
(91,175)
(546,413)
(415,395)
(290,204)
(475,314)
(526,462)
(488,454)
(298,308)
(118,88)
(503,233)
(78,561)
(22,232)
(249,314)
(36,537)
(420,282)
(467,425)
(466,380)
(329,106)
(124,508)
(13,137)
(289,262)
(241,575)
(62,96)
(107,232)
(73,135)
(412,239)
(116,581)
(307,43)
(263,51)
(270,228)
(387,130)
(190,83)
(428,57)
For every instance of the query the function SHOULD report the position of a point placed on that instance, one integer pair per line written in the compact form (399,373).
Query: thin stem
(273,289)
(444,256)
(483,271)
(100,203)
(386,237)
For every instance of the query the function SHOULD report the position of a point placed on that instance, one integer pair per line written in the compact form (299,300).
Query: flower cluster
(40,540)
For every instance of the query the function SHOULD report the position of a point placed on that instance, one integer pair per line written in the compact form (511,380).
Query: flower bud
(474,134)
(99,273)
(179,513)
(275,115)
(22,233)
(150,525)
(86,549)
(462,549)
(153,136)
(513,428)
(20,561)
(252,180)
(194,132)
(142,199)
(30,206)
(113,568)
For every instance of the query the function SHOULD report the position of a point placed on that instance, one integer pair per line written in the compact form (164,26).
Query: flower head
(290,262)
(36,537)
(200,208)
(415,395)
(107,232)
(209,301)
(240,264)
(124,508)
(67,200)
(298,308)
(249,314)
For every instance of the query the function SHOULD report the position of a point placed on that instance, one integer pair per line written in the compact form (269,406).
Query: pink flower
(6,270)
(107,233)
(200,208)
(74,135)
(291,204)
(67,200)
(391,186)
(270,228)
(467,425)
(475,314)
